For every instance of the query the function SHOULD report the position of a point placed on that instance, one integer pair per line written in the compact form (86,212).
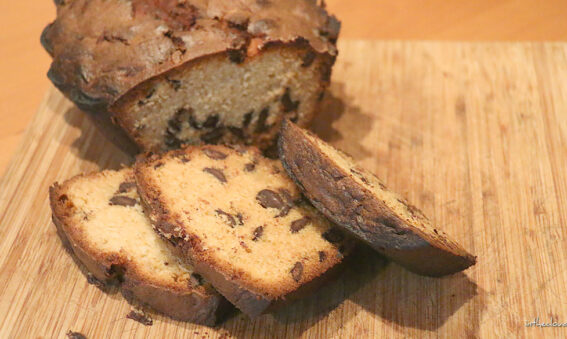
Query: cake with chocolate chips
(171,72)
(239,220)
(99,217)
(361,204)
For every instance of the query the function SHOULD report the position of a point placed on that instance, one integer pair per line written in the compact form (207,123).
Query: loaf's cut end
(215,100)
(241,222)
(100,218)
(361,204)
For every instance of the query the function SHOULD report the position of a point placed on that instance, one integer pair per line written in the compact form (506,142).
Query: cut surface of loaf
(357,200)
(99,216)
(240,221)
(192,71)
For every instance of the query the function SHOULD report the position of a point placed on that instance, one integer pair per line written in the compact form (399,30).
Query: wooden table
(473,133)
(23,63)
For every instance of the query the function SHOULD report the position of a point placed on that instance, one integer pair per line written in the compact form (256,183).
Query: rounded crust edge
(410,248)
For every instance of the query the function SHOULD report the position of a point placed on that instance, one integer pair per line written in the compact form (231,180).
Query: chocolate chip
(229,218)
(176,84)
(214,154)
(140,317)
(322,256)
(284,211)
(184,159)
(308,58)
(297,271)
(122,200)
(237,131)
(91,279)
(213,136)
(321,95)
(269,199)
(212,121)
(249,167)
(172,141)
(151,92)
(75,335)
(261,122)
(126,186)
(236,56)
(299,224)
(257,233)
(333,236)
(247,118)
(192,122)
(240,218)
(286,196)
(158,164)
(195,280)
(173,125)
(243,244)
(288,104)
(217,173)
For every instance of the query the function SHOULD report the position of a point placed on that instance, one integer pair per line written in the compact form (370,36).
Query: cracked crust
(359,202)
(198,304)
(246,285)
(98,62)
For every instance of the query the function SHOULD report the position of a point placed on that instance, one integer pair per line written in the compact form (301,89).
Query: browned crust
(189,248)
(354,208)
(193,305)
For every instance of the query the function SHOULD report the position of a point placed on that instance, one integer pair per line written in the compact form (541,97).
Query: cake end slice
(361,204)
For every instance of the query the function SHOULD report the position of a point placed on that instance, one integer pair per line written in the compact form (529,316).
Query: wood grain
(473,133)
(24,63)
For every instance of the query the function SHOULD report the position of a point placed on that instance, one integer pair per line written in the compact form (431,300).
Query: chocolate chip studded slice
(118,245)
(360,203)
(234,233)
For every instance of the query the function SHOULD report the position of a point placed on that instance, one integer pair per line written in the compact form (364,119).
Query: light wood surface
(473,133)
(23,63)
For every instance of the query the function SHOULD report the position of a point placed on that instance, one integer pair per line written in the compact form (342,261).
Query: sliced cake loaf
(191,71)
(359,202)
(241,222)
(100,218)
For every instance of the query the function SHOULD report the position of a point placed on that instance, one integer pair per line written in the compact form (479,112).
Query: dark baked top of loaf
(103,48)
(241,215)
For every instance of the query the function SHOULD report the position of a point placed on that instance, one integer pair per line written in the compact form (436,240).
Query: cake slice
(241,222)
(361,204)
(99,217)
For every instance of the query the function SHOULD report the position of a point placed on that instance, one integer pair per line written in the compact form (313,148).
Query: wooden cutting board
(473,133)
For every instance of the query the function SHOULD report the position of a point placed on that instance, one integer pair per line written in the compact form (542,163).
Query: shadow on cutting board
(91,145)
(342,123)
(399,298)
(404,299)
(323,305)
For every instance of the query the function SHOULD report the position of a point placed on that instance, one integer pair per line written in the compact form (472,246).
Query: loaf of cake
(99,217)
(172,72)
(241,222)
(361,204)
